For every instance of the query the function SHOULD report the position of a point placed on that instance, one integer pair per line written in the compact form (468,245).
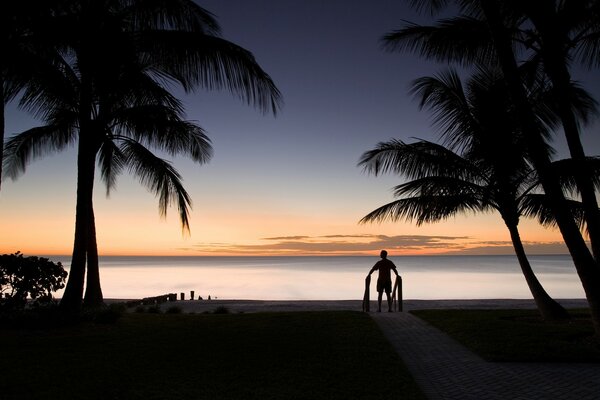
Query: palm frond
(174,14)
(584,105)
(34,143)
(443,186)
(461,39)
(587,44)
(195,59)
(158,126)
(422,209)
(137,88)
(430,6)
(415,160)
(537,206)
(567,169)
(444,95)
(52,88)
(111,161)
(160,177)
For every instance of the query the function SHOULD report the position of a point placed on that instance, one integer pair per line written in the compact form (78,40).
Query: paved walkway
(444,369)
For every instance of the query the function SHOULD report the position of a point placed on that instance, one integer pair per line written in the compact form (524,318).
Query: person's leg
(379,300)
(389,299)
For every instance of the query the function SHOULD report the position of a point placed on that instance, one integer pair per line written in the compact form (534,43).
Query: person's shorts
(384,286)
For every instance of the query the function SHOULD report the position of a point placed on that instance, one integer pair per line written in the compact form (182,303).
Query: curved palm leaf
(445,97)
(567,169)
(462,39)
(195,59)
(158,176)
(112,162)
(158,126)
(422,209)
(32,144)
(422,158)
(182,14)
(537,206)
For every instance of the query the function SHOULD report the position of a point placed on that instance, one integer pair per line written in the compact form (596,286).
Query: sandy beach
(252,306)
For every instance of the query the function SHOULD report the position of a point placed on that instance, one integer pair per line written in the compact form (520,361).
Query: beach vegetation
(28,281)
(528,40)
(519,335)
(308,355)
(106,88)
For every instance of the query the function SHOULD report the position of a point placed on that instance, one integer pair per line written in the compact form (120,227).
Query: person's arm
(372,270)
(394,269)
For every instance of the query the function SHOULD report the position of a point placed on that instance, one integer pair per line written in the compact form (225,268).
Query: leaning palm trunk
(547,306)
(552,52)
(587,268)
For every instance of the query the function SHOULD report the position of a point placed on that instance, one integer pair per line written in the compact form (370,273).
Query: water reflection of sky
(331,278)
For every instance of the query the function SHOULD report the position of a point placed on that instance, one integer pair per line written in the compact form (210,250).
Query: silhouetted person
(384,281)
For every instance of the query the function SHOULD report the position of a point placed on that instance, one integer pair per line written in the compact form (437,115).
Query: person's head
(383,254)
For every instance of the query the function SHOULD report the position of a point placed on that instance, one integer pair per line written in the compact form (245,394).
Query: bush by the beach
(28,280)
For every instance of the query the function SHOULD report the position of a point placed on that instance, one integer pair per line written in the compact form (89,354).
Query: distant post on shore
(191,295)
(182,296)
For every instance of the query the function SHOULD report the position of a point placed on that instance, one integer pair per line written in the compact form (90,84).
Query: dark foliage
(28,278)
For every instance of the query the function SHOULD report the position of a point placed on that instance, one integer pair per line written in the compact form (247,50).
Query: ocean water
(330,278)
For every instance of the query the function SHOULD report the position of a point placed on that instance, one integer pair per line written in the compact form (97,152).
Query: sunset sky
(283,185)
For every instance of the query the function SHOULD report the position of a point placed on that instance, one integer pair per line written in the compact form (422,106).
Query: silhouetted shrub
(28,277)
(221,310)
(140,309)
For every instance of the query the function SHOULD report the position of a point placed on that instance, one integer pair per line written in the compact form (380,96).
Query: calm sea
(330,278)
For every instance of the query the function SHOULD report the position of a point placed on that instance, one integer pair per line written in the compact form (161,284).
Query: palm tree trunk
(542,15)
(73,295)
(93,291)
(587,268)
(2,127)
(547,306)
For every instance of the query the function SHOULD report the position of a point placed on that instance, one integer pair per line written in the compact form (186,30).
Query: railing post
(400,308)
(366,306)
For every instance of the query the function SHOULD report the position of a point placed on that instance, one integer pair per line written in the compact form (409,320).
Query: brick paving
(444,369)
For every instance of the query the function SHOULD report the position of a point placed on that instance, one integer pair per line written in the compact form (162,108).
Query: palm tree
(109,98)
(562,31)
(587,267)
(565,29)
(492,173)
(499,28)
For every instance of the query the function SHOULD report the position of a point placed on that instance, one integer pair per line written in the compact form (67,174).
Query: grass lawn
(518,335)
(318,355)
